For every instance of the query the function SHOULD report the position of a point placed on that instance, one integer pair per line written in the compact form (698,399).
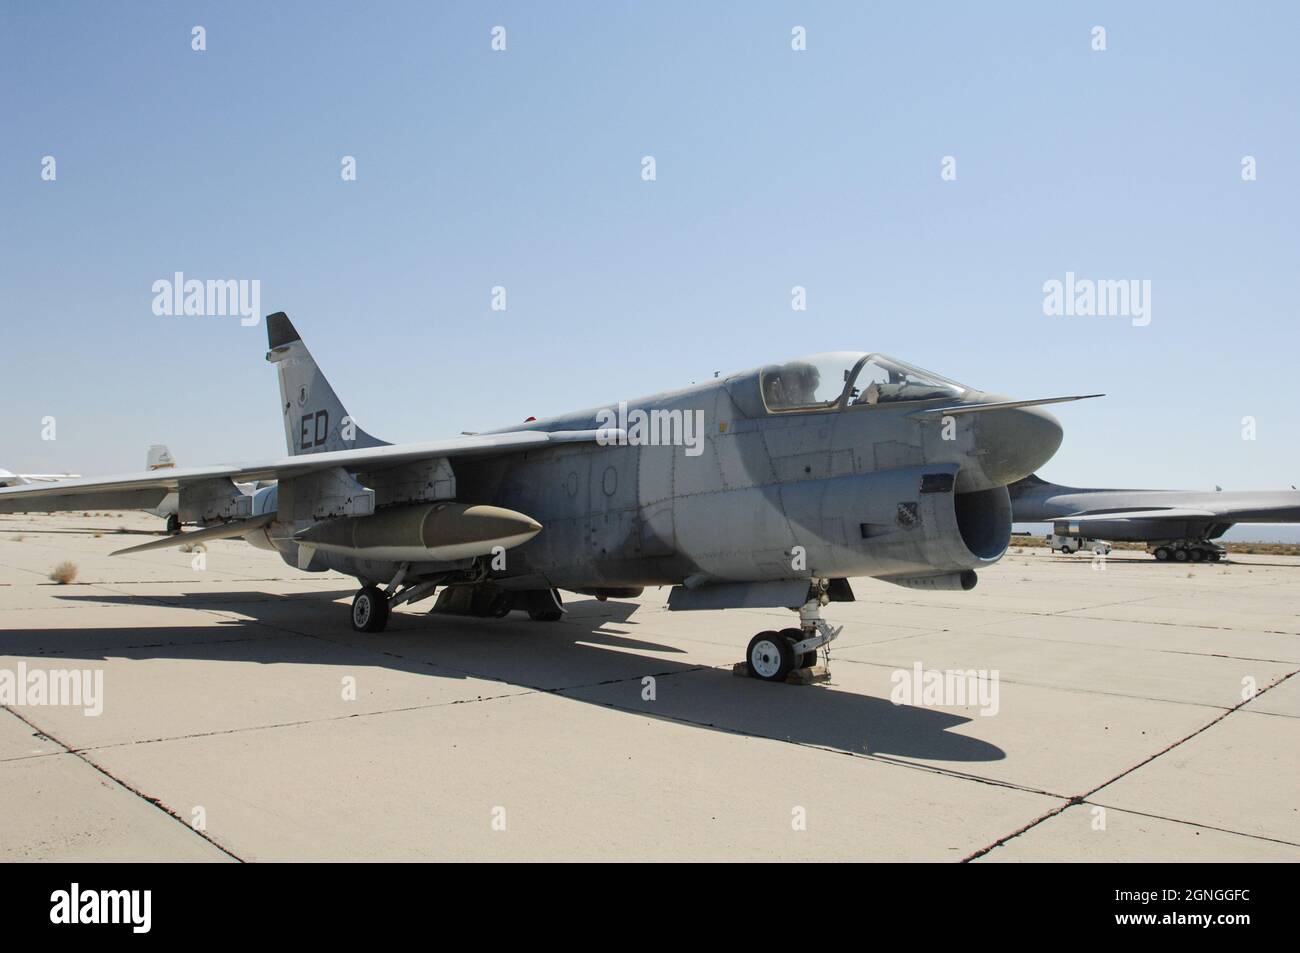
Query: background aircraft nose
(1016,441)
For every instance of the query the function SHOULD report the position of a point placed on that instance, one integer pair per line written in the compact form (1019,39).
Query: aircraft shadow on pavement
(1169,565)
(579,658)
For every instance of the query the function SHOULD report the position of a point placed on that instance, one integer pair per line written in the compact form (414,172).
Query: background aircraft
(764,488)
(8,478)
(1176,525)
(160,458)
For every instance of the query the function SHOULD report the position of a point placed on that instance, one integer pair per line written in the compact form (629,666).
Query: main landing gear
(371,605)
(462,596)
(773,655)
(369,609)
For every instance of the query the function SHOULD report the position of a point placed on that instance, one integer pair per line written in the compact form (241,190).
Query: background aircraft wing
(1172,513)
(146,489)
(1263,511)
(18,479)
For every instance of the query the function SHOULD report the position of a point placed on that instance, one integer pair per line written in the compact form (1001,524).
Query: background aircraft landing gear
(173,524)
(369,609)
(1189,550)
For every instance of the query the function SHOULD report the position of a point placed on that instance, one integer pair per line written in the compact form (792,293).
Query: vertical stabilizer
(315,420)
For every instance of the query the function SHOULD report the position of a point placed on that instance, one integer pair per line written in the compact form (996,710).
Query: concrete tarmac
(1143,711)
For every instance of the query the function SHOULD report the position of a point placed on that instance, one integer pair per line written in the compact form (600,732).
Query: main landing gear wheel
(1162,554)
(1198,555)
(369,609)
(173,524)
(770,656)
(1180,555)
(807,659)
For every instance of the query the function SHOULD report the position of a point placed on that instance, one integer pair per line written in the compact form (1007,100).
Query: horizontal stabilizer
(220,531)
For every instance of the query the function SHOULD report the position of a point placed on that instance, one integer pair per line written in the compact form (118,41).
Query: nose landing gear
(772,655)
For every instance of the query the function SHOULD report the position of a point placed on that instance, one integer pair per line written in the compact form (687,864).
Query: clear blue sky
(522,169)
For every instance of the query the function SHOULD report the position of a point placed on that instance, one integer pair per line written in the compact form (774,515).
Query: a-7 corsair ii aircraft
(792,478)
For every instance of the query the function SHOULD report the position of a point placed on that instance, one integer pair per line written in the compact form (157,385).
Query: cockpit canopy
(849,379)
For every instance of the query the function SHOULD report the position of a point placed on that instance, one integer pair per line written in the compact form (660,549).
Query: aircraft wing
(1172,513)
(146,488)
(1261,511)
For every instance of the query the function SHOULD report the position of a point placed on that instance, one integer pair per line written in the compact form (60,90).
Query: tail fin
(159,458)
(315,420)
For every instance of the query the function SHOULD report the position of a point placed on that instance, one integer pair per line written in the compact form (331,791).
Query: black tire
(173,524)
(806,659)
(770,656)
(490,604)
(369,609)
(549,615)
(1214,557)
(1180,555)
(1197,555)
(1162,554)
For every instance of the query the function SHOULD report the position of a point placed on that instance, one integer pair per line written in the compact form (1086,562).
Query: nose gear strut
(773,656)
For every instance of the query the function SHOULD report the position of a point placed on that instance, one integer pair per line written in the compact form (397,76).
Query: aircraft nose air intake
(1016,441)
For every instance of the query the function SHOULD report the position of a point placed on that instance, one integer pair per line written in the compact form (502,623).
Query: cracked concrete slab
(1238,775)
(59,808)
(568,781)
(1143,670)
(1081,833)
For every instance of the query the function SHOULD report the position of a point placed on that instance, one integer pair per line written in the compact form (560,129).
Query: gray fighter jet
(768,487)
(1176,525)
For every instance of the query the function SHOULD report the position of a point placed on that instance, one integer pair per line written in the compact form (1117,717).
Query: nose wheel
(770,656)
